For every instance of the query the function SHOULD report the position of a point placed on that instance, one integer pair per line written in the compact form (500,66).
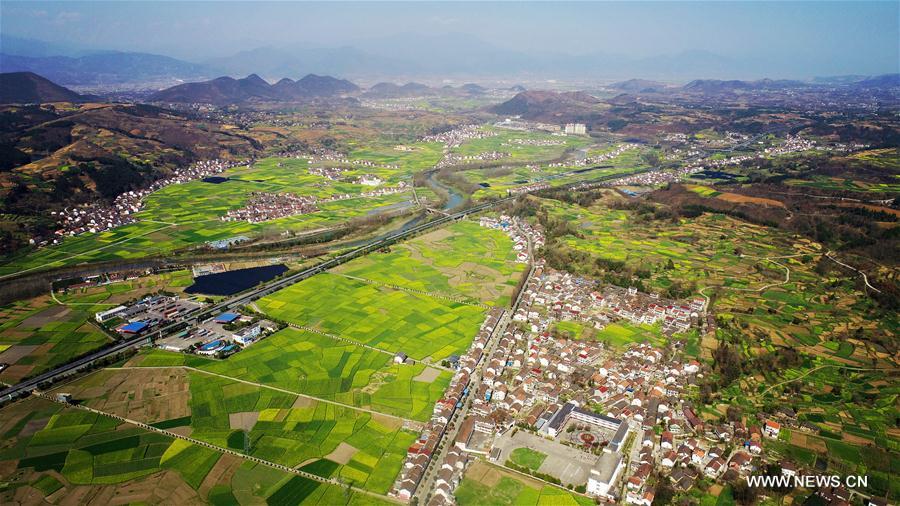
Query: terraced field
(393,320)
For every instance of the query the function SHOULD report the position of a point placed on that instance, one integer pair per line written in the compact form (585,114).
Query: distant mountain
(227,90)
(517,88)
(712,86)
(536,104)
(299,61)
(29,88)
(21,46)
(408,90)
(313,85)
(472,89)
(639,86)
(392,90)
(104,68)
(882,81)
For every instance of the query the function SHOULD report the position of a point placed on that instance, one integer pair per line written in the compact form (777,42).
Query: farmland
(488,485)
(324,439)
(188,215)
(39,333)
(461,259)
(421,326)
(517,144)
(321,367)
(497,181)
(54,452)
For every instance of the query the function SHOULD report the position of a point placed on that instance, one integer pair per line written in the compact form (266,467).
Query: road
(448,438)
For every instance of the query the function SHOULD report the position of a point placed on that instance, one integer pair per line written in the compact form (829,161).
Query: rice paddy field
(462,259)
(52,453)
(422,326)
(487,485)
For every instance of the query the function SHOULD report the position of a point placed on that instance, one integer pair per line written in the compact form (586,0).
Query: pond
(232,282)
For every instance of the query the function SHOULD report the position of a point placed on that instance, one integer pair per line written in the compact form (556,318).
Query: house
(741,462)
(714,467)
(772,428)
(788,468)
(666,440)
(400,357)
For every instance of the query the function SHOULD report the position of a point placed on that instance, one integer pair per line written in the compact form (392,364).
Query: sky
(849,36)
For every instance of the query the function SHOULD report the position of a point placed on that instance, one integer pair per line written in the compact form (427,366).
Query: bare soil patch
(428,375)
(244,420)
(342,454)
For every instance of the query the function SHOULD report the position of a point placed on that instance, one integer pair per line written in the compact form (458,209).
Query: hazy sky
(860,35)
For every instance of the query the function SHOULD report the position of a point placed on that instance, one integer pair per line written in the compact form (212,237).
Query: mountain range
(227,90)
(406,55)
(30,88)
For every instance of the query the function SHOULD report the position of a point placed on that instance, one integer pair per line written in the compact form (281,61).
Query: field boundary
(369,346)
(436,295)
(222,450)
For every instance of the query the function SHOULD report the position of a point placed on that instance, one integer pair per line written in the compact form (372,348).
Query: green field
(52,450)
(461,259)
(38,334)
(319,366)
(623,334)
(506,141)
(297,432)
(527,458)
(502,179)
(394,320)
(187,215)
(507,489)
(90,449)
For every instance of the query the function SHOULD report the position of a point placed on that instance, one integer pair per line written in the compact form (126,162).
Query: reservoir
(232,282)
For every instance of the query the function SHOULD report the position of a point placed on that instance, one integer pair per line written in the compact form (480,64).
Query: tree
(651,158)
(664,491)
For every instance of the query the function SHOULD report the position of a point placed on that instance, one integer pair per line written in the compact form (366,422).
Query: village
(608,422)
(98,217)
(264,206)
